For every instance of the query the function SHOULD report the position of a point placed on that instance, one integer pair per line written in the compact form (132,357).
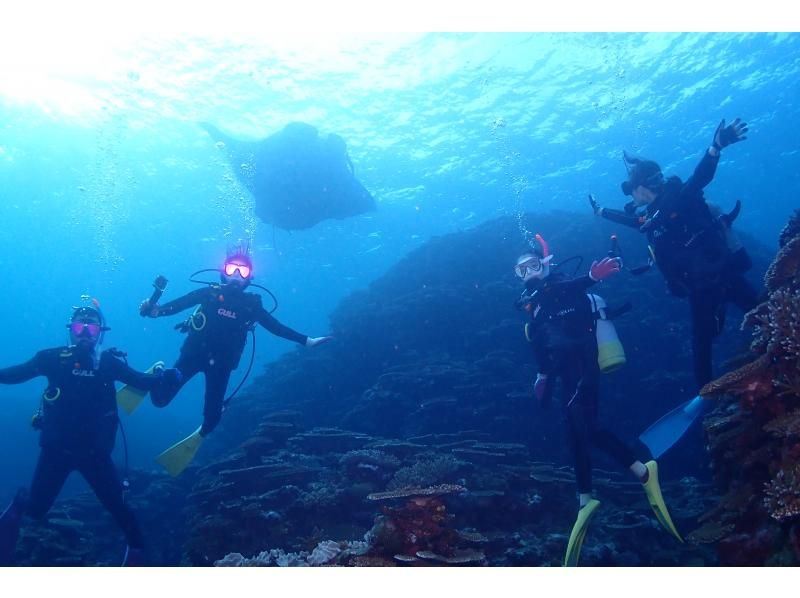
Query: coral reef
(326,552)
(426,472)
(754,434)
(782,499)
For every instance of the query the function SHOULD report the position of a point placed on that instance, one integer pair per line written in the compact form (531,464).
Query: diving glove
(733,133)
(598,210)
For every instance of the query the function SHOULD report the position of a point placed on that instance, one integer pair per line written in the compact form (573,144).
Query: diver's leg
(51,472)
(100,473)
(605,440)
(608,442)
(216,387)
(579,441)
(578,435)
(588,393)
(704,325)
(189,366)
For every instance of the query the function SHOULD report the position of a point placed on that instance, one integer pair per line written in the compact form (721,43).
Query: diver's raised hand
(604,268)
(148,310)
(598,210)
(314,341)
(733,133)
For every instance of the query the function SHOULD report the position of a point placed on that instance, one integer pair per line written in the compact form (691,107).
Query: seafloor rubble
(754,434)
(335,497)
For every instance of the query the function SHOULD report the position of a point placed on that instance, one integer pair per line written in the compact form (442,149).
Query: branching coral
(424,472)
(783,494)
(777,337)
(785,267)
(783,325)
(325,553)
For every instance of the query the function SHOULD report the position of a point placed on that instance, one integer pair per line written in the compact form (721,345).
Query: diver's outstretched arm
(21,373)
(618,216)
(196,297)
(723,137)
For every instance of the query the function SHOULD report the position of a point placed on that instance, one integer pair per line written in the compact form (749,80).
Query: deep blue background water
(106,180)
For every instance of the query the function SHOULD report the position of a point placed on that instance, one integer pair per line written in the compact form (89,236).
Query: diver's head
(238,267)
(534,265)
(645,179)
(87,326)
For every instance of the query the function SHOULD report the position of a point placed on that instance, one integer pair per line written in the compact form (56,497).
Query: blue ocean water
(107,179)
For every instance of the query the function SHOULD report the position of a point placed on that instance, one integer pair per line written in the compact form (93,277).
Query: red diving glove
(603,269)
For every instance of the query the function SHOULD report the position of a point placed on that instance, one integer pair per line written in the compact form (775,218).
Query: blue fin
(670,428)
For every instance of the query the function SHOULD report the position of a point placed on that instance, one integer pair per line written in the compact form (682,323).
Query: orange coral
(746,379)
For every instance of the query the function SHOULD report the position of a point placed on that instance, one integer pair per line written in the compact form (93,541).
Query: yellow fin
(129,398)
(177,457)
(579,533)
(653,491)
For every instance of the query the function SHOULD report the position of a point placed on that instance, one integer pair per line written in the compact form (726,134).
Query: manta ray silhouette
(297,177)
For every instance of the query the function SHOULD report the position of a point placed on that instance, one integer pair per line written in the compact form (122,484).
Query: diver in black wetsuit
(691,245)
(563,333)
(217,332)
(78,421)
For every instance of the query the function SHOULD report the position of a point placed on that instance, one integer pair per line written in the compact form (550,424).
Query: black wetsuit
(217,339)
(692,252)
(79,426)
(562,332)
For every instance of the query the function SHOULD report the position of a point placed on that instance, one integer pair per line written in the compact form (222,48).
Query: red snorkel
(543,245)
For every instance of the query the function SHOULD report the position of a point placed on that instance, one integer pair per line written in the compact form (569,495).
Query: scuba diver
(691,241)
(78,421)
(563,330)
(217,333)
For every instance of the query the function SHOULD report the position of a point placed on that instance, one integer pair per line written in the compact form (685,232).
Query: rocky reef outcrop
(754,435)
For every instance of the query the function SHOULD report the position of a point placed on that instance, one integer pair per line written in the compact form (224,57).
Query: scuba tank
(610,353)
